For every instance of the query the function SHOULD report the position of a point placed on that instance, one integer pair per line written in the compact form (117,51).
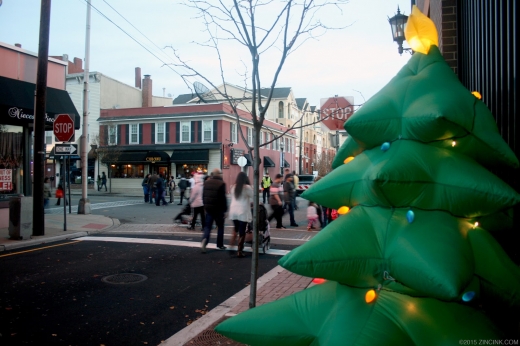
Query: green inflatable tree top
(412,257)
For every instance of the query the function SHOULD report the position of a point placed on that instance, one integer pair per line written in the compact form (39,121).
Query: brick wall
(147,91)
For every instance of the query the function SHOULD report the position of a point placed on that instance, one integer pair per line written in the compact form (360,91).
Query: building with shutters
(180,140)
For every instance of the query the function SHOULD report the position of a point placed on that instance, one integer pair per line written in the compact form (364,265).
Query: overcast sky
(354,61)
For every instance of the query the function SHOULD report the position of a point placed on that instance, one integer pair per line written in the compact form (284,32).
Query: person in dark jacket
(152,188)
(146,190)
(215,205)
(183,185)
(289,193)
(160,192)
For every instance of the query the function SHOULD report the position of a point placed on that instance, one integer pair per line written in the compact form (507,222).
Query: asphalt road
(56,294)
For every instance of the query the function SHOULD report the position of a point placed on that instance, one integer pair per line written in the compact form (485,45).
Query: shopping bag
(59,193)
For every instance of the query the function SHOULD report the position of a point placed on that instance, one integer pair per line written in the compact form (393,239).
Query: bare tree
(259,27)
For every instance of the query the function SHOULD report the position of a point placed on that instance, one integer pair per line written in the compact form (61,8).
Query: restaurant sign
(18,114)
(6,179)
(235,154)
(153,159)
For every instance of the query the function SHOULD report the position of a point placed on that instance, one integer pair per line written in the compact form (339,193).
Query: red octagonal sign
(334,111)
(63,128)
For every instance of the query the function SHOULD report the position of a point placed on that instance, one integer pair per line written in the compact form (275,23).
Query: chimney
(138,77)
(19,45)
(147,91)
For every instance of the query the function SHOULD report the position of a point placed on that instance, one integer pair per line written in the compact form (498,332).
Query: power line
(134,39)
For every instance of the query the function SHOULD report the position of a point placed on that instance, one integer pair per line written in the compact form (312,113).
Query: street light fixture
(282,162)
(397,24)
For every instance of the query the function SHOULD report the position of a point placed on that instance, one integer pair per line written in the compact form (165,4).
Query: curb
(197,327)
(76,234)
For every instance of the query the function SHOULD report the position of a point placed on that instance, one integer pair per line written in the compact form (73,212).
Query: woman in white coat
(240,209)
(196,202)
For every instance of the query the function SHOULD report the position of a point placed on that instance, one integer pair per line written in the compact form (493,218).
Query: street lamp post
(282,161)
(397,24)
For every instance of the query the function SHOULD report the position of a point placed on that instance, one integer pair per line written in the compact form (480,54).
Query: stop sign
(63,128)
(335,111)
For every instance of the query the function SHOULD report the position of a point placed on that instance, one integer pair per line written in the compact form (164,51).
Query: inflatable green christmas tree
(412,257)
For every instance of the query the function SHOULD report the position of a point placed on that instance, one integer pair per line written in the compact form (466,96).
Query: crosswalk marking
(94,206)
(275,252)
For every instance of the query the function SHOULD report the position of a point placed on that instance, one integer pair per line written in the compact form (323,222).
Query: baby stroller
(185,216)
(264,236)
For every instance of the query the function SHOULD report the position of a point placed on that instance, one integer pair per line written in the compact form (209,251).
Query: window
(261,134)
(160,134)
(289,111)
(249,136)
(185,131)
(280,109)
(207,128)
(134,134)
(48,137)
(234,138)
(276,144)
(112,134)
(268,145)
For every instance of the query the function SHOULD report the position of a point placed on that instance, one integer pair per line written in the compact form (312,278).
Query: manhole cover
(124,278)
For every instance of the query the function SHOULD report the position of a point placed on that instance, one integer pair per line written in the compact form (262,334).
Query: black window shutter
(119,134)
(231,131)
(215,130)
(177,132)
(106,140)
(192,125)
(127,133)
(153,133)
(140,133)
(167,135)
(199,131)
(238,133)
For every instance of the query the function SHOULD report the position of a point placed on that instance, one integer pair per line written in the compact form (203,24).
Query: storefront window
(186,170)
(127,171)
(11,170)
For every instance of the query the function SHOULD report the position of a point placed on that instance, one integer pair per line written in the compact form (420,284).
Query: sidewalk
(78,225)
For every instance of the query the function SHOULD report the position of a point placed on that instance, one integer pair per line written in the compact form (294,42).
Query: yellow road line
(41,248)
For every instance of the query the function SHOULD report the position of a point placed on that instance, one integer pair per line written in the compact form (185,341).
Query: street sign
(63,128)
(65,149)
(335,111)
(242,161)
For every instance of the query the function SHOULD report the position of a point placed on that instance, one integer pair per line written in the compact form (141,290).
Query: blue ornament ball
(385,146)
(468,296)
(410,216)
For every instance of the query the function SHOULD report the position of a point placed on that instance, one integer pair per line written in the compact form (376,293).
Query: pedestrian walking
(160,193)
(215,205)
(183,184)
(60,193)
(312,215)
(240,210)
(266,185)
(171,187)
(289,192)
(103,181)
(196,202)
(46,192)
(152,187)
(275,201)
(146,190)
(324,215)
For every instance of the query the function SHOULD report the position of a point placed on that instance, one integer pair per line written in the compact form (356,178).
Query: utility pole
(39,119)
(84,203)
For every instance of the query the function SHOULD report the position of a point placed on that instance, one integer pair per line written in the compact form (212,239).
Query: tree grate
(124,279)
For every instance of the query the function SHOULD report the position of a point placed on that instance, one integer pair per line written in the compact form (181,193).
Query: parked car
(305,181)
